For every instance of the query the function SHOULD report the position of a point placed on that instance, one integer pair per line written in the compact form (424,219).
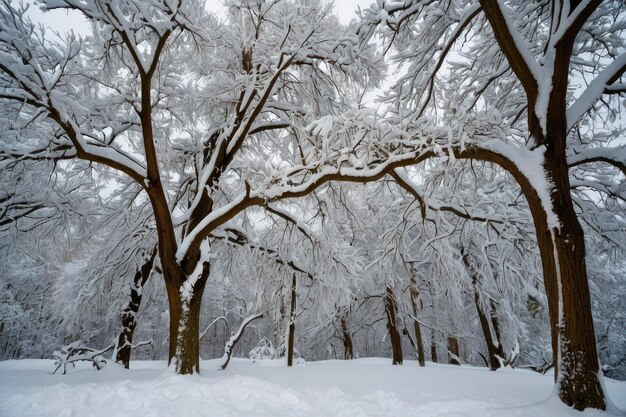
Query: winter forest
(269,194)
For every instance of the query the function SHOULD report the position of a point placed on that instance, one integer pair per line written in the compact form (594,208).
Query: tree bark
(562,249)
(185,303)
(495,322)
(419,343)
(129,314)
(392,325)
(561,240)
(567,288)
(453,350)
(346,338)
(292,323)
(494,363)
(433,351)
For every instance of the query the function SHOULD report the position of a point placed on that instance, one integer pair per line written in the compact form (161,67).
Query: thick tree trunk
(184,303)
(577,364)
(453,350)
(129,314)
(292,323)
(346,338)
(392,325)
(562,249)
(419,343)
(559,234)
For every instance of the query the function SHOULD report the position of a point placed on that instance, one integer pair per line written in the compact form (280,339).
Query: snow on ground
(359,388)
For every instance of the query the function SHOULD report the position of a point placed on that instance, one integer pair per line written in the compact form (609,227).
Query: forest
(426,181)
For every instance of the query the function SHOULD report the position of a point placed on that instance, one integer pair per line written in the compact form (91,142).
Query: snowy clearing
(359,388)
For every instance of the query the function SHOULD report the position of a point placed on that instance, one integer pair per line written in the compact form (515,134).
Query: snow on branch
(399,175)
(595,90)
(136,21)
(221,318)
(237,236)
(615,156)
(357,147)
(75,352)
(230,345)
(34,70)
(513,45)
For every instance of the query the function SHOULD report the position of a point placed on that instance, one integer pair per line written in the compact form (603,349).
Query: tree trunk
(346,338)
(129,314)
(185,302)
(559,235)
(392,325)
(495,322)
(279,325)
(433,351)
(562,249)
(292,323)
(577,364)
(494,363)
(453,350)
(419,343)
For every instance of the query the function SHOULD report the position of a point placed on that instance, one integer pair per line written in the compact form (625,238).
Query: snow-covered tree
(183,105)
(508,97)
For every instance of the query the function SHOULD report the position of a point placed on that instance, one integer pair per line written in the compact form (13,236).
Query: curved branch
(412,189)
(612,156)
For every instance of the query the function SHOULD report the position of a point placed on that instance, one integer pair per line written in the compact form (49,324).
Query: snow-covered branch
(232,342)
(594,91)
(76,352)
(615,156)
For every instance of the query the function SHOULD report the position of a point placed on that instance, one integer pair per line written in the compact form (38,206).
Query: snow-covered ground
(359,388)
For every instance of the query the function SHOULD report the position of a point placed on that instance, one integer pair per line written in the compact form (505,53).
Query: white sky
(64,21)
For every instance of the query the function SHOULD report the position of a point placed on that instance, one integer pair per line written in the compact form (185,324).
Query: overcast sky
(64,21)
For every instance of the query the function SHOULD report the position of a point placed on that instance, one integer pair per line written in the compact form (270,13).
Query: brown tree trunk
(185,324)
(559,235)
(433,351)
(577,366)
(129,314)
(292,323)
(419,343)
(494,363)
(346,338)
(453,350)
(392,325)
(562,249)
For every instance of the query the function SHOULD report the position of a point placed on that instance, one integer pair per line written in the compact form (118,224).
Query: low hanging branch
(230,345)
(75,352)
(212,323)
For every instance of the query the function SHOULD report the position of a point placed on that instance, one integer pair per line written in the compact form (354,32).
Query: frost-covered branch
(615,156)
(595,90)
(232,342)
(405,182)
(76,352)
